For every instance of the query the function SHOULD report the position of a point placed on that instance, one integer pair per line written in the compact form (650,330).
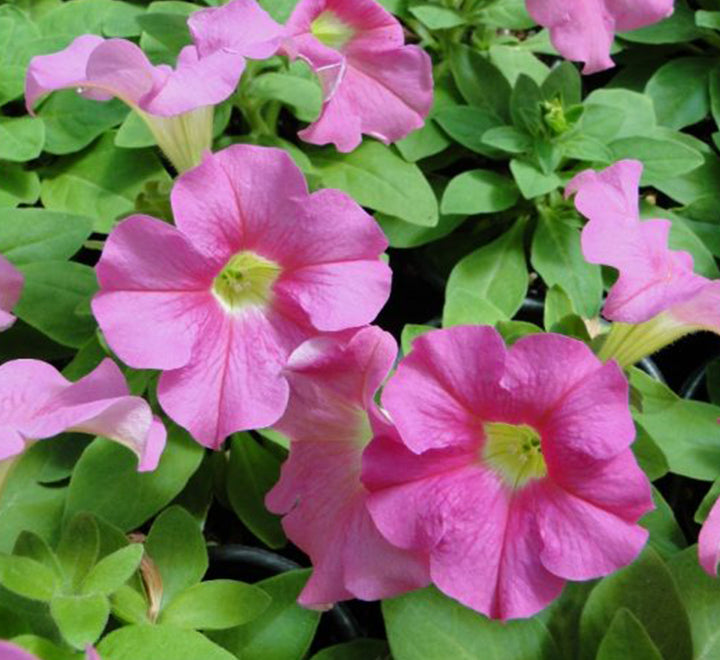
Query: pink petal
(709,541)
(11,286)
(701,310)
(584,31)
(383,94)
(155,293)
(446,387)
(652,278)
(9,651)
(234,380)
(227,203)
(212,79)
(240,27)
(580,540)
(333,381)
(39,403)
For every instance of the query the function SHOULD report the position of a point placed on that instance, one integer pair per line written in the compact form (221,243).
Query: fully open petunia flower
(330,419)
(657,298)
(255,267)
(373,83)
(11,284)
(177,105)
(583,30)
(37,402)
(514,472)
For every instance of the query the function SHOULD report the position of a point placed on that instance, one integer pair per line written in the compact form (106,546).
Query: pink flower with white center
(177,105)
(255,266)
(583,30)
(657,298)
(330,420)
(373,83)
(514,471)
(11,285)
(37,402)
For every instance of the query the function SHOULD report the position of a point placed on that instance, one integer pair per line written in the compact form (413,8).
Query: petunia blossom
(514,472)
(373,83)
(11,285)
(709,541)
(9,651)
(177,104)
(583,30)
(37,402)
(330,419)
(657,297)
(255,266)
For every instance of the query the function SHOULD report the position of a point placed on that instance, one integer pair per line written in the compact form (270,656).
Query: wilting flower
(255,267)
(657,298)
(373,83)
(177,105)
(584,31)
(9,651)
(37,402)
(330,419)
(514,472)
(11,284)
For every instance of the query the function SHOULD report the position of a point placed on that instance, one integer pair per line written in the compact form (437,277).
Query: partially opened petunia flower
(584,30)
(37,402)
(255,267)
(330,420)
(177,105)
(657,297)
(9,651)
(515,471)
(373,83)
(11,285)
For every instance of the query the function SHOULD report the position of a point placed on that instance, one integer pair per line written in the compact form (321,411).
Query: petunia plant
(359,329)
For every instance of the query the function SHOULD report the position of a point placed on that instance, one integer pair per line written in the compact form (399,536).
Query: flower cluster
(495,472)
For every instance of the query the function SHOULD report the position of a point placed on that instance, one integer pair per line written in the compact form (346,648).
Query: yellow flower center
(245,281)
(514,452)
(330,30)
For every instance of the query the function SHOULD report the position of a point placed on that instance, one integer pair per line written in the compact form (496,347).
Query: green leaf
(43,649)
(129,606)
(359,649)
(134,133)
(81,619)
(618,113)
(177,548)
(480,82)
(280,10)
(102,182)
(252,472)
(28,235)
(31,545)
(647,589)
(437,18)
(423,143)
(121,20)
(168,30)
(649,455)
(75,18)
(525,105)
(468,126)
(17,186)
(111,572)
(508,138)
(565,83)
(679,90)
(106,481)
(28,578)
(379,179)
(284,631)
(215,605)
(514,62)
(490,284)
(666,537)
(410,333)
(163,641)
(403,234)
(78,549)
(53,292)
(687,432)
(627,638)
(16,31)
(21,138)
(557,306)
(557,257)
(531,181)
(302,94)
(677,29)
(663,159)
(426,625)
(479,191)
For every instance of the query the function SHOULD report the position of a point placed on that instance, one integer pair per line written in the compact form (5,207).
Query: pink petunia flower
(657,298)
(584,30)
(255,267)
(37,402)
(177,105)
(709,541)
(11,285)
(9,651)
(330,419)
(373,83)
(514,472)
